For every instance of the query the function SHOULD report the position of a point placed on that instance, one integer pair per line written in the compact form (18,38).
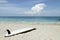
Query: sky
(29,7)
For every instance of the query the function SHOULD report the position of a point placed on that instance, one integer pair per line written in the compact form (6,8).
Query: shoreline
(38,23)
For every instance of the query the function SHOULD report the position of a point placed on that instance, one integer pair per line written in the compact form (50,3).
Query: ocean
(29,19)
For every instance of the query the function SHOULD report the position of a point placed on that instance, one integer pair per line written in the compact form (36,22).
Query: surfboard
(20,31)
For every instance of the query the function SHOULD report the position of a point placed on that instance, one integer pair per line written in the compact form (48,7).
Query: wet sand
(44,30)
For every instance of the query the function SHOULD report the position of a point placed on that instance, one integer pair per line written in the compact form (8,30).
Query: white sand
(44,30)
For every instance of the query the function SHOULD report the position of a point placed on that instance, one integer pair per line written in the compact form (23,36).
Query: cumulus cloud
(36,8)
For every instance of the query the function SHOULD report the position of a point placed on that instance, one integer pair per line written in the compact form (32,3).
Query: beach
(44,30)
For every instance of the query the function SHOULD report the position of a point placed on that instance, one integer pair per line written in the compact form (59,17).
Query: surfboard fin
(8,31)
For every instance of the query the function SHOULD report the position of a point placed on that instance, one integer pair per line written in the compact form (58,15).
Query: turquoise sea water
(30,19)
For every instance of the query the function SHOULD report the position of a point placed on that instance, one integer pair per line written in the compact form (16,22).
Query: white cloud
(36,9)
(3,1)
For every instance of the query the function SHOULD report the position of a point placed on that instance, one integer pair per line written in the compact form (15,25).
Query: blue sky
(29,7)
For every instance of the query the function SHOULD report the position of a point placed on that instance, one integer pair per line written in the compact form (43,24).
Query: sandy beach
(44,30)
